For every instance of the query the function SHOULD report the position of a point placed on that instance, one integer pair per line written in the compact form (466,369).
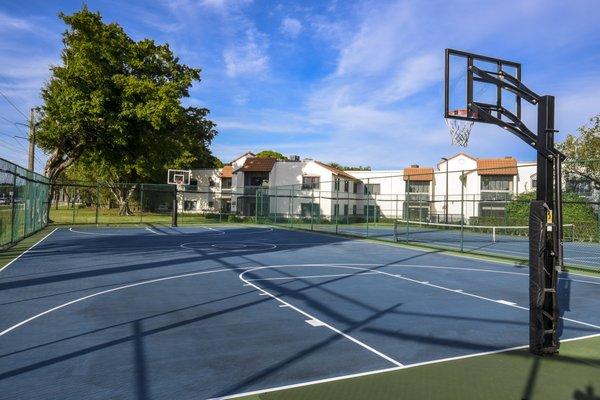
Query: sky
(352,82)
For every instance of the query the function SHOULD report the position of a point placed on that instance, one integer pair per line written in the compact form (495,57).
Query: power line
(10,147)
(13,104)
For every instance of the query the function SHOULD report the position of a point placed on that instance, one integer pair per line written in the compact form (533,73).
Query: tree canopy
(114,105)
(271,154)
(347,168)
(583,152)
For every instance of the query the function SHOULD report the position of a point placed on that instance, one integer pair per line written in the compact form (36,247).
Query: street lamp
(446,196)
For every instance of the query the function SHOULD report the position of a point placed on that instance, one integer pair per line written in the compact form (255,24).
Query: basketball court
(222,311)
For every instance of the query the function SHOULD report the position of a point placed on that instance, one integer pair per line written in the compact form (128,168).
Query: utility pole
(30,164)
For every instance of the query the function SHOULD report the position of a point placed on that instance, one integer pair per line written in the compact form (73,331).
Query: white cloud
(291,27)
(10,23)
(247,58)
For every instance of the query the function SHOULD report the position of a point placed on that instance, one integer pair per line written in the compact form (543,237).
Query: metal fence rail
(23,202)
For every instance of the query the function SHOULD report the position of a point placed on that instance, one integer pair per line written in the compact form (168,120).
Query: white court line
(4,332)
(143,283)
(212,246)
(509,303)
(153,231)
(283,305)
(457,291)
(93,233)
(358,342)
(310,276)
(35,244)
(384,370)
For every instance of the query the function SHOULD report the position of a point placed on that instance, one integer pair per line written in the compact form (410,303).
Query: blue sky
(356,82)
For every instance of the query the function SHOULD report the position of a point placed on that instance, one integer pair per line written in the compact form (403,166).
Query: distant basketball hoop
(179,177)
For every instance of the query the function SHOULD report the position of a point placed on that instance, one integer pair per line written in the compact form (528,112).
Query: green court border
(517,374)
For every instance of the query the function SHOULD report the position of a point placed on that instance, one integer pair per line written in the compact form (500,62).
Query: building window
(189,205)
(355,187)
(372,188)
(345,209)
(336,184)
(496,191)
(534,181)
(417,200)
(308,209)
(211,183)
(336,210)
(310,182)
(346,186)
(417,190)
(354,209)
(226,183)
(496,182)
(211,204)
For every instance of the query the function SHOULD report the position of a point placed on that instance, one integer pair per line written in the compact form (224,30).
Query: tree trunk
(56,164)
(122,194)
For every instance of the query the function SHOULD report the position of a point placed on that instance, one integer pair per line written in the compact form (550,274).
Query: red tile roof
(256,164)
(227,171)
(418,174)
(497,166)
(336,171)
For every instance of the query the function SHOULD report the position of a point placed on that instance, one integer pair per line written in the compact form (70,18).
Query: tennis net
(438,233)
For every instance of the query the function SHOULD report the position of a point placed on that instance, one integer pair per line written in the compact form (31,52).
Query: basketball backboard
(474,84)
(179,177)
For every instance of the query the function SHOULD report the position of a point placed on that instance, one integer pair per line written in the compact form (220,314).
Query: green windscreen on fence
(23,202)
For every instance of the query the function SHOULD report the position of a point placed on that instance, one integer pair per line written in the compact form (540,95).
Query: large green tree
(114,107)
(583,152)
(271,154)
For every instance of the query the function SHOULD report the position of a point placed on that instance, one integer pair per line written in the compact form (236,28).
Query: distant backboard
(464,86)
(179,177)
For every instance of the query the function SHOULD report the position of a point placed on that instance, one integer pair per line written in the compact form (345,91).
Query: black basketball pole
(545,222)
(544,314)
(174,209)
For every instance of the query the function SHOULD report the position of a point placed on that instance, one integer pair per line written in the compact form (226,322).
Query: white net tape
(459,131)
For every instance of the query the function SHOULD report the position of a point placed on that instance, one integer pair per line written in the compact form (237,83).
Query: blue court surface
(576,253)
(209,312)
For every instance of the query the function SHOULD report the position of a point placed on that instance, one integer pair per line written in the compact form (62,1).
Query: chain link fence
(468,210)
(483,212)
(23,203)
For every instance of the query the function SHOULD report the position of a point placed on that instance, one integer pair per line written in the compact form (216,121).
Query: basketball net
(460,129)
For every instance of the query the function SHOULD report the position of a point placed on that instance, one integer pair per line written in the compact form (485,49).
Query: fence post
(368,193)
(407,207)
(141,203)
(12,201)
(98,202)
(291,207)
(337,206)
(73,202)
(256,204)
(348,205)
(312,208)
(462,209)
(598,211)
(275,213)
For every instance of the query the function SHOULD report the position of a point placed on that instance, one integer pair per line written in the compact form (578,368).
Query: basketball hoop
(460,129)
